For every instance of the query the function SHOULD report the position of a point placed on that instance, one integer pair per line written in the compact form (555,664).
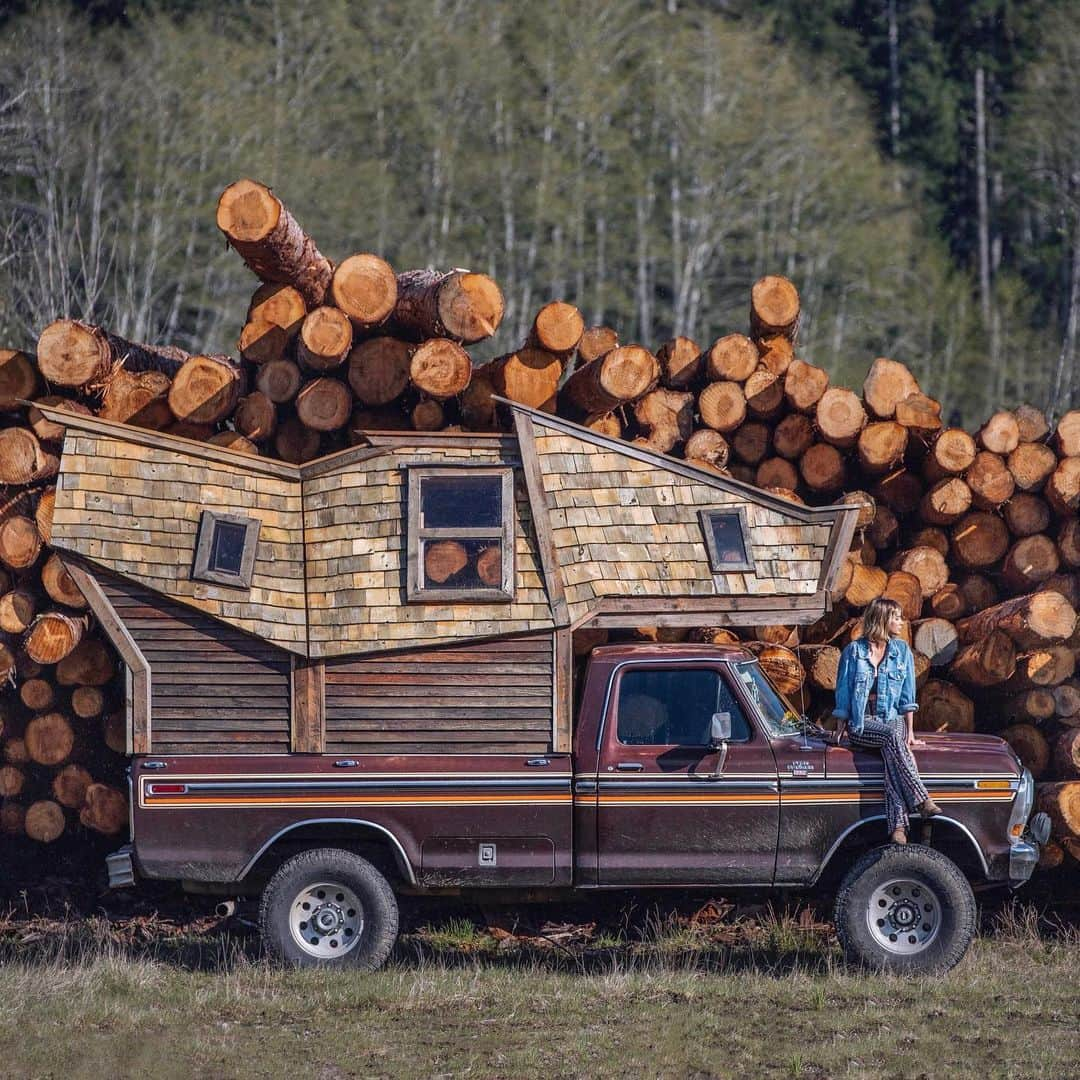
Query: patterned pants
(904,790)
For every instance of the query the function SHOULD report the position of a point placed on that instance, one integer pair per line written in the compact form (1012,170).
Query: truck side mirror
(719,729)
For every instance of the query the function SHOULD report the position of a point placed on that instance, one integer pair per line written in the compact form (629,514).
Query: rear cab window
(674,707)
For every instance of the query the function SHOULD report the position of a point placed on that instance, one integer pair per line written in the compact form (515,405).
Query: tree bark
(459,305)
(138,398)
(623,375)
(986,662)
(681,363)
(1032,621)
(530,376)
(267,237)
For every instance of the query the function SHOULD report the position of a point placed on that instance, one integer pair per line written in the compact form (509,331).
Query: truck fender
(863,823)
(400,858)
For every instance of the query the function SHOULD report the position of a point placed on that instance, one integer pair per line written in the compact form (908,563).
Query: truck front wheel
(329,908)
(906,909)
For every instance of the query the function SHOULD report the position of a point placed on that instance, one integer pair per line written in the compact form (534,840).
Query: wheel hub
(904,916)
(326,919)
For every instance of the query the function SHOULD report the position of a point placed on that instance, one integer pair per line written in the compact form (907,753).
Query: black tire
(355,901)
(905,908)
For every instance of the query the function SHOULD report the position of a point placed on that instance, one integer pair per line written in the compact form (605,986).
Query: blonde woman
(875,695)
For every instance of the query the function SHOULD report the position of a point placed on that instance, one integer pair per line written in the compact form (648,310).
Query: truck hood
(949,754)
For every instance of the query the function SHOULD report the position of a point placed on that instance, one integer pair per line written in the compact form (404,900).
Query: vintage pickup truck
(356,678)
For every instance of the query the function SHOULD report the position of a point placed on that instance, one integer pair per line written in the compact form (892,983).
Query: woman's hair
(876,617)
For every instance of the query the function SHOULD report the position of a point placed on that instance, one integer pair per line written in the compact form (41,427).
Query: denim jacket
(855,682)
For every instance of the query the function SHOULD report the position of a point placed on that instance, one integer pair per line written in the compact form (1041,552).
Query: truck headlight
(1025,796)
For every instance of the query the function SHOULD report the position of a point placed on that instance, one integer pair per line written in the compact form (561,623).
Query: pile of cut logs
(976,536)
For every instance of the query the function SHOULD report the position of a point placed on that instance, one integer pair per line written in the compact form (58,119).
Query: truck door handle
(537,762)
(346,763)
(630,766)
(154,765)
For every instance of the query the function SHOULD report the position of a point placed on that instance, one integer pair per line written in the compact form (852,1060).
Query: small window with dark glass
(225,549)
(726,539)
(461,534)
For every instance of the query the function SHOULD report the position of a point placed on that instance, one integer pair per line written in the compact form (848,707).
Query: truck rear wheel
(907,909)
(329,908)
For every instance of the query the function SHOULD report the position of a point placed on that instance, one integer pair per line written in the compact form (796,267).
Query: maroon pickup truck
(688,771)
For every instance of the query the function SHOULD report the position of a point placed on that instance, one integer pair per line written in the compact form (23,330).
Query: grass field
(656,995)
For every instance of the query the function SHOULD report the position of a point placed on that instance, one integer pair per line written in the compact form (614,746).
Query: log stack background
(975,535)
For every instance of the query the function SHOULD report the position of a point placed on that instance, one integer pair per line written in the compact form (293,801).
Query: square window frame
(704,517)
(415,590)
(204,544)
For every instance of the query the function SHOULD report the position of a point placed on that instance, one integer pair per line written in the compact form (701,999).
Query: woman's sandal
(898,836)
(929,809)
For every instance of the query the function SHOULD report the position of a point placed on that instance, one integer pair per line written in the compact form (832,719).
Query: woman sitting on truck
(875,695)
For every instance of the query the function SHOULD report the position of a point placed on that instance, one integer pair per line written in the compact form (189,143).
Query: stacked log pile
(976,536)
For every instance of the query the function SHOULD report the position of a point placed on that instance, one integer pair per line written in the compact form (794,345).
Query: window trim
(678,665)
(416,592)
(201,569)
(704,517)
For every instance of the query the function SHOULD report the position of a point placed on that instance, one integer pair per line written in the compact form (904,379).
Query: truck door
(666,814)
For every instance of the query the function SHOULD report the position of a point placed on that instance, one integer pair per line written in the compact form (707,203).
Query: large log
(279,380)
(776,353)
(793,436)
(38,695)
(278,305)
(105,810)
(1048,666)
(774,307)
(666,418)
(324,404)
(77,355)
(979,539)
(681,363)
(263,342)
(804,386)
(920,414)
(255,417)
(140,398)
(1034,704)
(881,446)
(325,339)
(594,343)
(623,375)
(926,563)
(44,821)
(1031,423)
(722,406)
(776,472)
(20,543)
(69,786)
(48,431)
(867,583)
(1062,802)
(530,376)
(986,662)
(906,590)
(952,453)
(460,305)
(270,241)
(764,394)
(49,738)
(440,369)
(205,389)
(899,490)
(1030,464)
(17,610)
(1033,621)
(443,559)
(1067,434)
(943,707)
(557,328)
(751,442)
(18,379)
(1000,434)
(948,603)
(379,369)
(60,585)
(887,384)
(822,468)
(1066,754)
(990,481)
(1029,562)
(53,635)
(1030,745)
(946,502)
(936,639)
(1063,488)
(365,289)
(1026,514)
(708,446)
(23,460)
(840,417)
(732,357)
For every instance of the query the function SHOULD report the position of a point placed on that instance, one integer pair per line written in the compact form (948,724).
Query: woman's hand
(913,743)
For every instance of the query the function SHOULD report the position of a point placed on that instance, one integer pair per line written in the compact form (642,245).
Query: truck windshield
(779,717)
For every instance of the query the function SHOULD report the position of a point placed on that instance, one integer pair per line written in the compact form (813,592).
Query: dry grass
(656,995)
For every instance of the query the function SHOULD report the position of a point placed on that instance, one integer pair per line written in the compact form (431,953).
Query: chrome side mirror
(719,730)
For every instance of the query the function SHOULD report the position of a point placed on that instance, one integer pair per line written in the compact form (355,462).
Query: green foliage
(647,163)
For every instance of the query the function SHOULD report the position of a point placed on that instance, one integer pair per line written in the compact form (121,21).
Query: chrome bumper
(1024,853)
(121,868)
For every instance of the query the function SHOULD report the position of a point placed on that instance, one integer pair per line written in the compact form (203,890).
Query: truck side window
(674,707)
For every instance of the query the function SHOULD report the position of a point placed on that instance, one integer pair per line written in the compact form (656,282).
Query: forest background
(913,165)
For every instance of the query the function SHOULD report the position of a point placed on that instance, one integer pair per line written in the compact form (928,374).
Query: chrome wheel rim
(326,919)
(904,916)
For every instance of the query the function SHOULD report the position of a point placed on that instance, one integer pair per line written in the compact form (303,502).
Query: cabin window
(461,535)
(225,549)
(727,538)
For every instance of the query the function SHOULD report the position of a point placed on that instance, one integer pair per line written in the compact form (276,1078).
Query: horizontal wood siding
(489,697)
(213,689)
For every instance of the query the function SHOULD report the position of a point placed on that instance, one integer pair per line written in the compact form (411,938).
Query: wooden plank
(508,668)
(562,713)
(423,734)
(538,688)
(436,714)
(138,720)
(541,517)
(468,723)
(241,738)
(308,718)
(836,550)
(172,727)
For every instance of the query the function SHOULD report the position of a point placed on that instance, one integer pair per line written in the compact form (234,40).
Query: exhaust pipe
(225,909)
